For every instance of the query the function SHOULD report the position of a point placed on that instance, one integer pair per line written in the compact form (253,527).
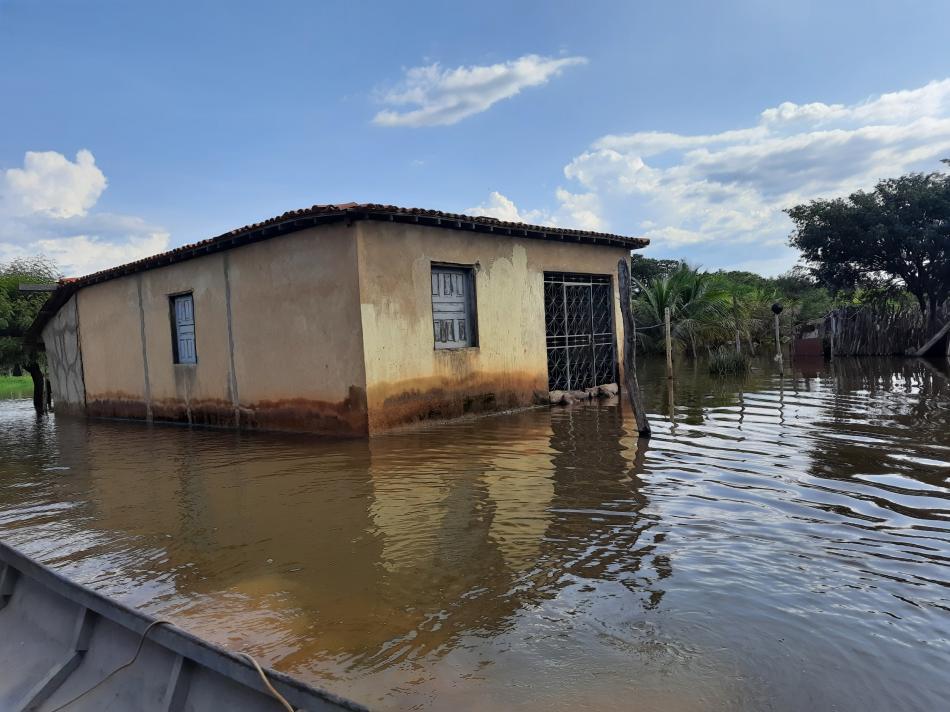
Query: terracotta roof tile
(357,211)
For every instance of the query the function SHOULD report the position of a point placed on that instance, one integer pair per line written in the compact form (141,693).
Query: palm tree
(749,314)
(698,309)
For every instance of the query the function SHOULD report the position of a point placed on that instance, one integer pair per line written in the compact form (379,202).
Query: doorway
(579,324)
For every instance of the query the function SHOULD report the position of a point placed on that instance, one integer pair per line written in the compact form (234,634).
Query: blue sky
(128,128)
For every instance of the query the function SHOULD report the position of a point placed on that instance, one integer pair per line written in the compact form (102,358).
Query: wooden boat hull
(59,639)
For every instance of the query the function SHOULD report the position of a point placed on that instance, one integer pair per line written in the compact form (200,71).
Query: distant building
(344,319)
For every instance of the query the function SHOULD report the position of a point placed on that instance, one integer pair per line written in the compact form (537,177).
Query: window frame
(173,318)
(471,303)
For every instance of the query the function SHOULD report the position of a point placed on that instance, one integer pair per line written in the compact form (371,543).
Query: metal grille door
(578,315)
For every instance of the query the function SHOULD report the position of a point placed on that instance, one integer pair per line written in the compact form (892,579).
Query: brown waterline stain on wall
(116,404)
(66,408)
(396,404)
(418,400)
(344,418)
(347,417)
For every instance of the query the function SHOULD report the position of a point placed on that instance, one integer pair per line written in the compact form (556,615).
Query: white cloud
(670,235)
(580,210)
(50,183)
(575,210)
(86,254)
(502,208)
(435,96)
(905,106)
(724,192)
(46,208)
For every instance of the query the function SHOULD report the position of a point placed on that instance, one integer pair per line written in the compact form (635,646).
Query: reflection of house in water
(495,480)
(600,531)
(357,552)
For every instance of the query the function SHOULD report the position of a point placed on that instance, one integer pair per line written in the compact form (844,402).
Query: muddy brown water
(780,544)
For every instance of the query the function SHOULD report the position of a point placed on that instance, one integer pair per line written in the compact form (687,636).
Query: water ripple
(780,543)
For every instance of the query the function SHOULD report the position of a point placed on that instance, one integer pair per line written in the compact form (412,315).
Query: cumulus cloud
(575,210)
(46,207)
(436,96)
(502,208)
(579,210)
(729,188)
(52,184)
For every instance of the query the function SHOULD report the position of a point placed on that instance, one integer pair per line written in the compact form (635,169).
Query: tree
(806,298)
(896,237)
(697,308)
(17,311)
(643,269)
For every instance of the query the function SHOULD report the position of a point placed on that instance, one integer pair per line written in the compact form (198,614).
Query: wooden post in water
(834,330)
(669,343)
(630,383)
(778,347)
(777,309)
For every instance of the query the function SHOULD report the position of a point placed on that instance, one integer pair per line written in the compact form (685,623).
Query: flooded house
(340,319)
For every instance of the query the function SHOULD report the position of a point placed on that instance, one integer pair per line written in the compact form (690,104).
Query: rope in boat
(260,671)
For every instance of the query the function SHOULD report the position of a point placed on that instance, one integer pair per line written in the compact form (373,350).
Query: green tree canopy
(894,237)
(644,269)
(18,309)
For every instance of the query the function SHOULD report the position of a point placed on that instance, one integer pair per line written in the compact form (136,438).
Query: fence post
(669,343)
(778,347)
(834,332)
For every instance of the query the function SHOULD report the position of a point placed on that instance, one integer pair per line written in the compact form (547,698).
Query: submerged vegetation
(710,311)
(727,362)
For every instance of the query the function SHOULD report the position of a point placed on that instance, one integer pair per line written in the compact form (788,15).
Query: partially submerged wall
(64,359)
(276,330)
(326,330)
(407,378)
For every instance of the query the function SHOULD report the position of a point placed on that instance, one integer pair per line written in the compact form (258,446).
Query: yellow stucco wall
(110,336)
(330,330)
(298,348)
(407,378)
(198,392)
(294,326)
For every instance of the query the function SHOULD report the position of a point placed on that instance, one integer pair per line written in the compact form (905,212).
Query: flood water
(779,544)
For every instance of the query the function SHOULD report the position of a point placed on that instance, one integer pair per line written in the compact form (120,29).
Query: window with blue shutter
(183,329)
(453,307)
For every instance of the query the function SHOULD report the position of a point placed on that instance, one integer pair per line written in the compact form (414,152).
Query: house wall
(64,359)
(407,379)
(277,336)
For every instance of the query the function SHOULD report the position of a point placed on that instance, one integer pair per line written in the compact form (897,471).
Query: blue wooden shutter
(452,308)
(185,329)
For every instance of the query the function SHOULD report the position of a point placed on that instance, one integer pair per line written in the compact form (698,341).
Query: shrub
(727,362)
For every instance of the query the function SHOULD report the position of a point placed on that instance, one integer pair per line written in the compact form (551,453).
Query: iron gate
(578,316)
